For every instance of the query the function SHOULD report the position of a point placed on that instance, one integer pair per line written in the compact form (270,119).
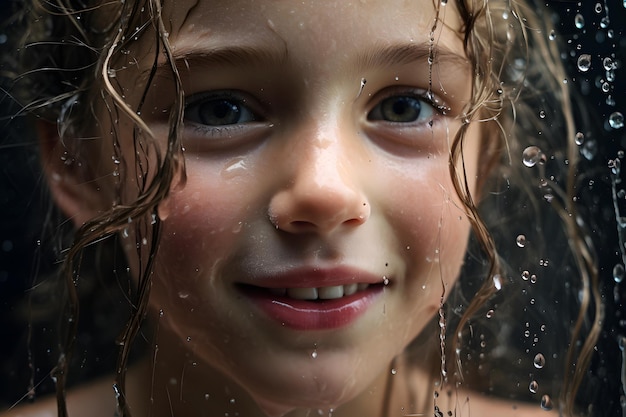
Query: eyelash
(245,108)
(237,101)
(422,97)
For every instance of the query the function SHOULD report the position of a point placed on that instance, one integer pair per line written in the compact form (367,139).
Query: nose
(322,193)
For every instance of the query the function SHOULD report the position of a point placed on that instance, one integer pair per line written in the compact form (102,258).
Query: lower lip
(314,315)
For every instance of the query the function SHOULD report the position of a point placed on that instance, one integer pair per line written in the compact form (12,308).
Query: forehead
(330,29)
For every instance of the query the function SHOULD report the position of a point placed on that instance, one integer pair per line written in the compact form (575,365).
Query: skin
(312,177)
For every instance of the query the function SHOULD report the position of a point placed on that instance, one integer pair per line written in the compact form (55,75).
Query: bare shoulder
(95,399)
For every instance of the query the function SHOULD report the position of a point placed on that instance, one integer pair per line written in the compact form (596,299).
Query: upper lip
(314,277)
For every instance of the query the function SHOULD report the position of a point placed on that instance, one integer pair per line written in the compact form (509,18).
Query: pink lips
(319,314)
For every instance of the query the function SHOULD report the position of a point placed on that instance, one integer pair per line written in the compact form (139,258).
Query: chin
(309,384)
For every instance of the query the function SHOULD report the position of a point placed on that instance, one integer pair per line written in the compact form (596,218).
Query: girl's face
(318,229)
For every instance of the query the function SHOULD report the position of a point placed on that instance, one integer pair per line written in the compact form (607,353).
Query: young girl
(293,186)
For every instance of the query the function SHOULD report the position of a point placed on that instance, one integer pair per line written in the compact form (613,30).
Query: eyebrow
(376,57)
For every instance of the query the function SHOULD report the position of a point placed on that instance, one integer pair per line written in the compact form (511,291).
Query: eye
(402,109)
(219,109)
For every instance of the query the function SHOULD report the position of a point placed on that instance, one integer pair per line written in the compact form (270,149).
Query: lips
(315,299)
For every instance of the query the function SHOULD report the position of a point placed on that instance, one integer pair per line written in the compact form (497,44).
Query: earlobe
(72,188)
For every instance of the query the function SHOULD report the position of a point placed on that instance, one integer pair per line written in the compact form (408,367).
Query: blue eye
(402,109)
(219,110)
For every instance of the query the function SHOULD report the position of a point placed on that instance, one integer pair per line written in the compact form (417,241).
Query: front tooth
(350,289)
(302,293)
(330,293)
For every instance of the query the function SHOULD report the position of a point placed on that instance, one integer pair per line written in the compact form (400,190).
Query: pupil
(221,112)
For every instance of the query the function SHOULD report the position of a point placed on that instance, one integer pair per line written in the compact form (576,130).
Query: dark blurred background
(586,27)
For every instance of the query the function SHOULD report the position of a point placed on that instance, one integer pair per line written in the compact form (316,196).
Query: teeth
(322,293)
(330,293)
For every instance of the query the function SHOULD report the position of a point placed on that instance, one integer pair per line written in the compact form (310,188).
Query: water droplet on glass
(497,282)
(604,22)
(533,387)
(579,138)
(598,8)
(608,63)
(552,35)
(542,114)
(385,280)
(546,402)
(616,120)
(525,275)
(533,155)
(234,168)
(579,21)
(521,241)
(584,62)
(489,314)
(393,371)
(618,273)
(314,354)
(533,278)
(539,361)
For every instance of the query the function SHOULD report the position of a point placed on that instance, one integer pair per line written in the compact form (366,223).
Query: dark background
(24,206)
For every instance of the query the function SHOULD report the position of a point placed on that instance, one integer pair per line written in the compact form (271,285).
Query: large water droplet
(546,402)
(598,8)
(539,361)
(616,120)
(521,241)
(579,138)
(579,21)
(525,275)
(533,155)
(533,387)
(584,62)
(618,273)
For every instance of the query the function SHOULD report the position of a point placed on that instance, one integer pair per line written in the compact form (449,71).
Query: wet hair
(65,73)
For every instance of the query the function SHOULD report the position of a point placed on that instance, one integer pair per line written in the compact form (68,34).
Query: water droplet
(393,371)
(598,8)
(521,241)
(385,280)
(533,278)
(618,273)
(533,387)
(616,120)
(206,396)
(584,62)
(183,294)
(234,168)
(604,22)
(314,354)
(497,282)
(579,21)
(608,63)
(546,402)
(444,2)
(489,314)
(552,35)
(542,114)
(533,155)
(232,401)
(579,138)
(525,275)
(539,361)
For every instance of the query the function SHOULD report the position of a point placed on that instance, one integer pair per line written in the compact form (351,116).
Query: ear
(73,189)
